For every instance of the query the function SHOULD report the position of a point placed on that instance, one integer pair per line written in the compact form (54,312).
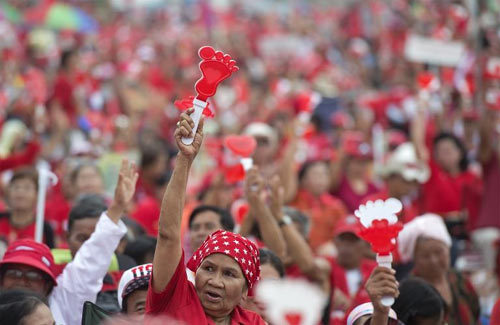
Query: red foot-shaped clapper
(382,237)
(215,68)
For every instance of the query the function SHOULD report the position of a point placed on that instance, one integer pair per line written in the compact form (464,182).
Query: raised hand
(125,189)
(255,191)
(185,129)
(381,283)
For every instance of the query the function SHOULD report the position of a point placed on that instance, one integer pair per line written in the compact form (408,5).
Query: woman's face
(40,316)
(89,181)
(447,155)
(220,285)
(432,258)
(317,179)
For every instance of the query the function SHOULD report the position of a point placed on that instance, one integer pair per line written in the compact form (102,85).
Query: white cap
(257,129)
(365,309)
(404,161)
(429,225)
(133,279)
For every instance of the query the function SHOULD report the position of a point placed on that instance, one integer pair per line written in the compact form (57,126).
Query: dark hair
(25,173)
(66,57)
(15,305)
(150,153)
(80,166)
(308,165)
(268,257)
(298,217)
(225,218)
(417,299)
(139,248)
(463,163)
(86,206)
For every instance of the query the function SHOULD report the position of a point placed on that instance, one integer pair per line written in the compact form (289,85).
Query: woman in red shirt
(452,191)
(226,266)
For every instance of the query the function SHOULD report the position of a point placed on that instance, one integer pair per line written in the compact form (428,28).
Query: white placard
(433,51)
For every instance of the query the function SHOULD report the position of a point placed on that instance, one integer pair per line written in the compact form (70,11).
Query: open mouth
(213,296)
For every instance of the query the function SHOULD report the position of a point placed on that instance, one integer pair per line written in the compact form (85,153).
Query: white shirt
(353,278)
(82,278)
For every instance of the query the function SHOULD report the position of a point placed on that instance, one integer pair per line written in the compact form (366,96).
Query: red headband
(242,250)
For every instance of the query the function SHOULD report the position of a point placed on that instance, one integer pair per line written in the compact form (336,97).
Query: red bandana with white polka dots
(242,250)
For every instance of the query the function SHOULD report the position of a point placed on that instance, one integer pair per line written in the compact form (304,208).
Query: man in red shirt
(226,266)
(349,271)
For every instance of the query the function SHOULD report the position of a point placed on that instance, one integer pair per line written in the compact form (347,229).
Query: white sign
(433,51)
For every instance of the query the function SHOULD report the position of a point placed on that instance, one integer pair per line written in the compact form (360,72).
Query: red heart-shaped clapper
(293,318)
(425,79)
(241,145)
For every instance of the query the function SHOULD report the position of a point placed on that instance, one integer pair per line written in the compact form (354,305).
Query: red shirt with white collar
(180,301)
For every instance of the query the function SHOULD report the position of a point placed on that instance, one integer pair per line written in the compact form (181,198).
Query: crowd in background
(340,116)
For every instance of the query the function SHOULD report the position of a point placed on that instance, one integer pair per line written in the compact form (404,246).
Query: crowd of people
(140,224)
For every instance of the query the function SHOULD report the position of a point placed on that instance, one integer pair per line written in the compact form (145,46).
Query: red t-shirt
(180,301)
(351,199)
(63,93)
(338,280)
(445,194)
(495,313)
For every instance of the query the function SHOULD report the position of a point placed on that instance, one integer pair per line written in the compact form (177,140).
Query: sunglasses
(31,276)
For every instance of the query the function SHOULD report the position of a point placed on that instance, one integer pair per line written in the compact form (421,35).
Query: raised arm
(82,278)
(168,248)
(256,195)
(417,131)
(297,248)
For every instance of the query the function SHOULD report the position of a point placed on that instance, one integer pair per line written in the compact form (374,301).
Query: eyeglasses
(30,276)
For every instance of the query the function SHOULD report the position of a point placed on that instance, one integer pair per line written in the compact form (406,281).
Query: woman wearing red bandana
(226,264)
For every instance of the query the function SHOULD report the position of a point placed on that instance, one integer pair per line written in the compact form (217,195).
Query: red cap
(360,150)
(29,252)
(349,224)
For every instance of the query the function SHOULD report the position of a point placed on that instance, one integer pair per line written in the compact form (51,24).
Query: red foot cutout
(186,103)
(215,67)
(293,318)
(242,145)
(380,236)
